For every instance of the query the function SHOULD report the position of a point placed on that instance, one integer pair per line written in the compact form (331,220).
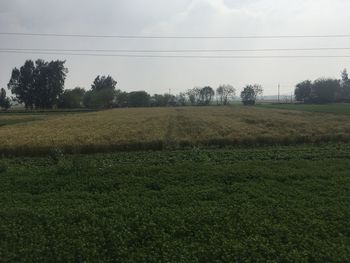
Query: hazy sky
(186,18)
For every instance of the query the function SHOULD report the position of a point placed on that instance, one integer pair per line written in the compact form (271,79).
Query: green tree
(72,99)
(4,100)
(102,94)
(325,90)
(345,86)
(206,95)
(250,94)
(139,99)
(38,85)
(303,91)
(21,84)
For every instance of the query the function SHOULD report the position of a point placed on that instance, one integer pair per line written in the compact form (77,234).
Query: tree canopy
(38,85)
(250,94)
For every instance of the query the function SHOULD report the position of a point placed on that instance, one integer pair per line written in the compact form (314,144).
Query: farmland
(335,108)
(221,184)
(277,204)
(167,128)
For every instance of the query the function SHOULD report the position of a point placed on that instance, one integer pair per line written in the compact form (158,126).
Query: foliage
(276,204)
(4,100)
(303,91)
(139,99)
(225,93)
(38,85)
(102,94)
(250,94)
(72,99)
(325,90)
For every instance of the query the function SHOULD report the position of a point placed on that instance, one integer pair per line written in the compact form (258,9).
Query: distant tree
(38,85)
(325,90)
(102,94)
(121,98)
(194,95)
(206,95)
(72,98)
(225,93)
(303,91)
(139,99)
(181,99)
(345,86)
(4,100)
(103,82)
(250,94)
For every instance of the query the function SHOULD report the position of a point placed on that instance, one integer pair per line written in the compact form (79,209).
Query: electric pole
(279,89)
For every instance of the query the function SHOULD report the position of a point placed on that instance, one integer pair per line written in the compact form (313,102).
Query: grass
(269,204)
(170,128)
(336,108)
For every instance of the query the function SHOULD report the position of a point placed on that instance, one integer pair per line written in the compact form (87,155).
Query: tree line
(324,90)
(40,85)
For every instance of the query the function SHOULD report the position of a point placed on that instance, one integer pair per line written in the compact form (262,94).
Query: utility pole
(279,89)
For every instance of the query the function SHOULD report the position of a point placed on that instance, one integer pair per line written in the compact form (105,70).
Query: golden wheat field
(159,128)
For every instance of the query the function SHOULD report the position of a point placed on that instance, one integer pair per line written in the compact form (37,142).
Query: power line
(174,56)
(173,37)
(175,50)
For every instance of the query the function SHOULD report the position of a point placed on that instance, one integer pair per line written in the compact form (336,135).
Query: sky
(180,18)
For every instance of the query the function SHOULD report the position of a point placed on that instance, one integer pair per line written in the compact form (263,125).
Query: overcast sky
(185,18)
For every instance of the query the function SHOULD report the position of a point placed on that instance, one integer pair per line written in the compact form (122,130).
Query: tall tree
(102,93)
(4,100)
(345,86)
(225,93)
(21,84)
(325,90)
(250,93)
(206,95)
(303,91)
(38,84)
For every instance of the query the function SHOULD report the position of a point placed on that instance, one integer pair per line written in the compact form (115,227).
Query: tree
(181,99)
(71,99)
(38,85)
(102,93)
(325,90)
(206,95)
(21,84)
(121,98)
(250,94)
(138,99)
(4,100)
(303,91)
(158,100)
(225,93)
(345,86)
(103,82)
(194,95)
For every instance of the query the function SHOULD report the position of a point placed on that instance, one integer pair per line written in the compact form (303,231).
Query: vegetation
(38,85)
(324,90)
(335,108)
(161,128)
(285,204)
(250,94)
(4,100)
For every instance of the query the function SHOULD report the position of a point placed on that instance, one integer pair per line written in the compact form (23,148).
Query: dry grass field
(159,128)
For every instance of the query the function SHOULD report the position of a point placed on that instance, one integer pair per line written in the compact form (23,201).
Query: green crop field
(270,204)
(336,108)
